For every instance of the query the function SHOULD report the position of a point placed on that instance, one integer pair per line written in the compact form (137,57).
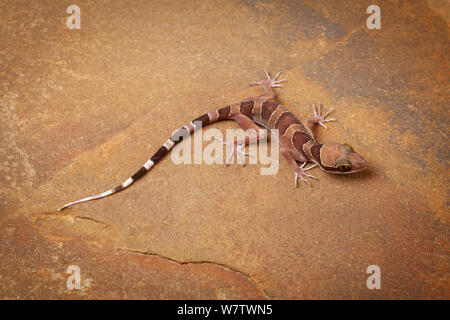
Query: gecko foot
(269,81)
(236,149)
(321,119)
(301,173)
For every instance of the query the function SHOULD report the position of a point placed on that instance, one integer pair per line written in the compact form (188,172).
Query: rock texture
(81,110)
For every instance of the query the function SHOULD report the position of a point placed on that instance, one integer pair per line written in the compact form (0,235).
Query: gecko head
(338,158)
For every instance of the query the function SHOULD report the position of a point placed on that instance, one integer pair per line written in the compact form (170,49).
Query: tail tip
(63,207)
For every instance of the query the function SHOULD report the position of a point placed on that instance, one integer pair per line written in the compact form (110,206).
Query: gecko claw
(321,119)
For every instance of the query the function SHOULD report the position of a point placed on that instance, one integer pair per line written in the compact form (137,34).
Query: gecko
(296,138)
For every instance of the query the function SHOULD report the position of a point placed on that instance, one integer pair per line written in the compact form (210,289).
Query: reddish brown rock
(82,110)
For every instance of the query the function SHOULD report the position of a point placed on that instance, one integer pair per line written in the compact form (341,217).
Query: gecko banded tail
(207,118)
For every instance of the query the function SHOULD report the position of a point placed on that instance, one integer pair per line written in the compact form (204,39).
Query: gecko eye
(347,148)
(344,167)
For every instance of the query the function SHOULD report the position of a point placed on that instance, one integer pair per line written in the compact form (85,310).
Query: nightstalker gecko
(296,138)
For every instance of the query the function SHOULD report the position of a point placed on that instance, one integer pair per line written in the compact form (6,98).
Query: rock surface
(81,110)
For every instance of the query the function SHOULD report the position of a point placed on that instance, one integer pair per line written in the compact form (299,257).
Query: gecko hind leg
(238,150)
(238,144)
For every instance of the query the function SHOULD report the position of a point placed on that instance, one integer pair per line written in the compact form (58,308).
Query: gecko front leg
(299,171)
(318,118)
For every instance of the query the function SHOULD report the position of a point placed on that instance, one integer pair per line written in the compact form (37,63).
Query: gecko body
(297,141)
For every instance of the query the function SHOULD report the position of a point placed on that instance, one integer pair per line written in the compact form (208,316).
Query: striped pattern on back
(274,116)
